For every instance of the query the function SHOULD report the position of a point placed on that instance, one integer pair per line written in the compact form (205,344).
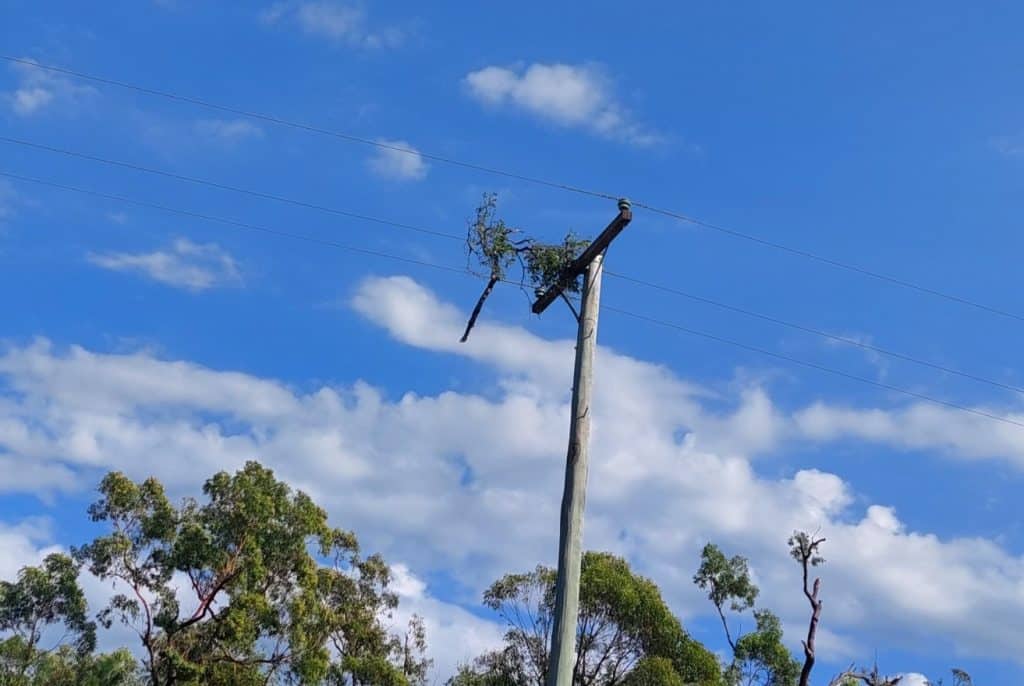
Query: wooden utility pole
(561,660)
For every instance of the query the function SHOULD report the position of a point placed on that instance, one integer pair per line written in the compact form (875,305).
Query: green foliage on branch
(623,621)
(493,243)
(494,246)
(760,658)
(249,586)
(653,671)
(66,666)
(42,597)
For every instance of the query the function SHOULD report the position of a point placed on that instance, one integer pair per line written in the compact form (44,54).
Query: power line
(232,222)
(305,127)
(227,187)
(465,272)
(443,234)
(811,365)
(807,254)
(817,332)
(831,262)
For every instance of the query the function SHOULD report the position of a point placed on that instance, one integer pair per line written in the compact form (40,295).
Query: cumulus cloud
(668,474)
(454,635)
(920,426)
(398,161)
(191,266)
(39,90)
(340,22)
(24,543)
(567,95)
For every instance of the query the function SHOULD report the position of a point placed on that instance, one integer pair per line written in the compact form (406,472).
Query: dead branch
(872,678)
(479,305)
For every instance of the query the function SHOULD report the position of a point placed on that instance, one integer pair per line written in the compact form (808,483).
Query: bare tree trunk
(725,625)
(812,629)
(805,551)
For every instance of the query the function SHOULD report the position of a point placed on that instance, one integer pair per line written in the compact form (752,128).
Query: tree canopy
(623,624)
(249,585)
(760,658)
(42,597)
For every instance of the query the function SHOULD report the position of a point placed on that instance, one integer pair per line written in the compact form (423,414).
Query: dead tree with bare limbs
(804,549)
(851,677)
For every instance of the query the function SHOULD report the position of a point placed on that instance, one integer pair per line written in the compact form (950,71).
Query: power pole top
(579,265)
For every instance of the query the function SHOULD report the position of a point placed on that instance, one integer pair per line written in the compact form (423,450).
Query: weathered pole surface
(590,263)
(570,537)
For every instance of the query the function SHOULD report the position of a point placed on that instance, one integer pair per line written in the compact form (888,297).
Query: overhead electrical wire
(894,280)
(640,204)
(845,340)
(305,127)
(443,234)
(810,365)
(231,222)
(226,187)
(465,272)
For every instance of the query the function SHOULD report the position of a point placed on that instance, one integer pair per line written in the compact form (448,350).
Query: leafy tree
(727,581)
(623,620)
(653,671)
(411,652)
(498,668)
(43,596)
(229,591)
(65,667)
(760,656)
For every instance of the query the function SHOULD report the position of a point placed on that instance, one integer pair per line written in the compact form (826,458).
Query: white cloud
(864,343)
(921,426)
(398,161)
(39,89)
(192,266)
(1011,146)
(337,21)
(24,543)
(567,95)
(228,130)
(454,636)
(379,465)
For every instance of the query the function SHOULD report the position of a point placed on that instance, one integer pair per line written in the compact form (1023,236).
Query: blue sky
(889,137)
